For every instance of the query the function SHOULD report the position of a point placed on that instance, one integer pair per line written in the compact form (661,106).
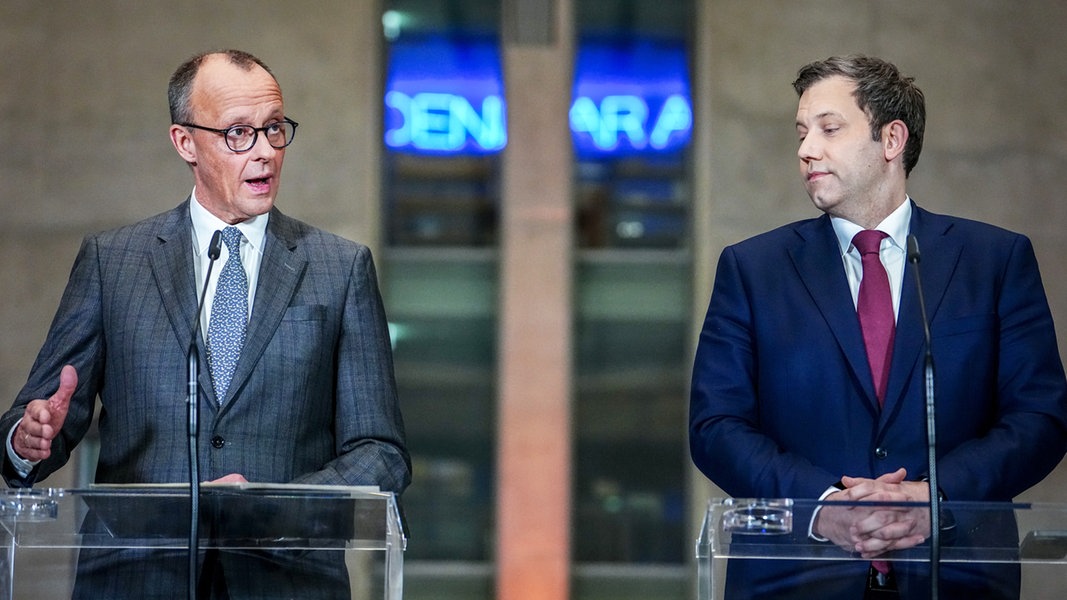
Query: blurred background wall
(84,120)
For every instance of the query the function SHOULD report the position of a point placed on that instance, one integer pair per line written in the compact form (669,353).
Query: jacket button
(217,442)
(881,453)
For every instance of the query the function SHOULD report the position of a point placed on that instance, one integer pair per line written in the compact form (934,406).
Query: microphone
(931,433)
(214,249)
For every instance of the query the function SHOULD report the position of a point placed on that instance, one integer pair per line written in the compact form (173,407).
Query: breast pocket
(303,337)
(305,312)
(970,325)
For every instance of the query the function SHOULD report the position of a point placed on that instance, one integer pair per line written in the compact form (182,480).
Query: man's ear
(183,142)
(894,138)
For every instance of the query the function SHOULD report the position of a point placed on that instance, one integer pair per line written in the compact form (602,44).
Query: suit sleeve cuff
(22,466)
(815,513)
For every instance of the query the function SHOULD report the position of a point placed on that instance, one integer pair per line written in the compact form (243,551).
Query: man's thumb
(68,381)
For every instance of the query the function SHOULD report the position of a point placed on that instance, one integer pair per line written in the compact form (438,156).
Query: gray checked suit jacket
(313,398)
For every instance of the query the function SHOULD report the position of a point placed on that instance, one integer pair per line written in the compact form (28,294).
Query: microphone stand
(193,400)
(931,433)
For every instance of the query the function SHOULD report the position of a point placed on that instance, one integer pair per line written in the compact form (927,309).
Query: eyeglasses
(242,138)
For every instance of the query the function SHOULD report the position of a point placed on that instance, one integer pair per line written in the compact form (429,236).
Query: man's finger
(59,403)
(895,477)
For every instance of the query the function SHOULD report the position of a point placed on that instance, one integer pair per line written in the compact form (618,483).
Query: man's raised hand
(44,418)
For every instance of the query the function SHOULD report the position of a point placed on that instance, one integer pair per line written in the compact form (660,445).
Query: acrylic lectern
(49,538)
(990,547)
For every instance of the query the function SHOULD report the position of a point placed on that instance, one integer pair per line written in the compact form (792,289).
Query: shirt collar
(205,224)
(896,225)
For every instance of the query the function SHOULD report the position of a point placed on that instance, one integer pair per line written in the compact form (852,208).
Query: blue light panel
(631,96)
(444,95)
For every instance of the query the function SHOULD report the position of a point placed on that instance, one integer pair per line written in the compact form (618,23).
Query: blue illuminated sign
(631,96)
(444,95)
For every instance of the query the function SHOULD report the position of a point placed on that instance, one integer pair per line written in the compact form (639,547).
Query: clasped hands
(878,529)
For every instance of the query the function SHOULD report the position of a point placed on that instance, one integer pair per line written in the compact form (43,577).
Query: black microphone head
(913,249)
(214,249)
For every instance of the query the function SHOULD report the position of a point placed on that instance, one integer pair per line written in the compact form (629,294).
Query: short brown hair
(881,92)
(181,82)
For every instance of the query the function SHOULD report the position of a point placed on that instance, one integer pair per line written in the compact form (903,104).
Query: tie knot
(869,241)
(231,236)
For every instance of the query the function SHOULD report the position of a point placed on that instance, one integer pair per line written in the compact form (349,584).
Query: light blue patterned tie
(229,316)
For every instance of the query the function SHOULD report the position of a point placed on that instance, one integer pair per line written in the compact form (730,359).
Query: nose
(261,148)
(808,149)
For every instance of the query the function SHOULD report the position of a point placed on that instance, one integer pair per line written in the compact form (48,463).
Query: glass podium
(1025,543)
(268,536)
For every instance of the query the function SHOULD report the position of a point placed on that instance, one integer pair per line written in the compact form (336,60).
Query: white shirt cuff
(814,515)
(22,466)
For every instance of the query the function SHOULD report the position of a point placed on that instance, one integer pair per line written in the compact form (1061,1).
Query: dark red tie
(875,308)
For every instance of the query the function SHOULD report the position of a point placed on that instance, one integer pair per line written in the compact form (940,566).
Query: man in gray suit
(309,395)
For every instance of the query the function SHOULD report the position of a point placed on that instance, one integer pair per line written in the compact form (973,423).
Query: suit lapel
(172,268)
(829,289)
(280,271)
(939,255)
(817,259)
(174,273)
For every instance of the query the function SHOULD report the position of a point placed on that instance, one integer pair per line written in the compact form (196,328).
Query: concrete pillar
(534,462)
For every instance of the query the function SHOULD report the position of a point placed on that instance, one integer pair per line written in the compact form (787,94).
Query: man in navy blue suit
(784,403)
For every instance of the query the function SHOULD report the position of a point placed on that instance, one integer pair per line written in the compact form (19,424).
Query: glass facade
(632,312)
(630,411)
(630,119)
(442,134)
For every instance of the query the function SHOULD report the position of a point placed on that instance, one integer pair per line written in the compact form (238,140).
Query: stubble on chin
(819,200)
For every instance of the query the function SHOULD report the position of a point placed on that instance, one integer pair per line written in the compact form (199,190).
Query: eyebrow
(823,115)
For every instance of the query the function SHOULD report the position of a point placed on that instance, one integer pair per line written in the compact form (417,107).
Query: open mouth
(261,184)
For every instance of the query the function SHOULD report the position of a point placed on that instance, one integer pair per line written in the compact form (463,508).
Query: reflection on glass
(630,413)
(631,126)
(444,125)
(631,121)
(442,316)
(444,122)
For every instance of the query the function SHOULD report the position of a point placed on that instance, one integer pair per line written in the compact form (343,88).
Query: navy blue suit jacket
(783,400)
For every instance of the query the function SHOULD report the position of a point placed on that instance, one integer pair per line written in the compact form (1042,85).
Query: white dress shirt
(205,224)
(893,251)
